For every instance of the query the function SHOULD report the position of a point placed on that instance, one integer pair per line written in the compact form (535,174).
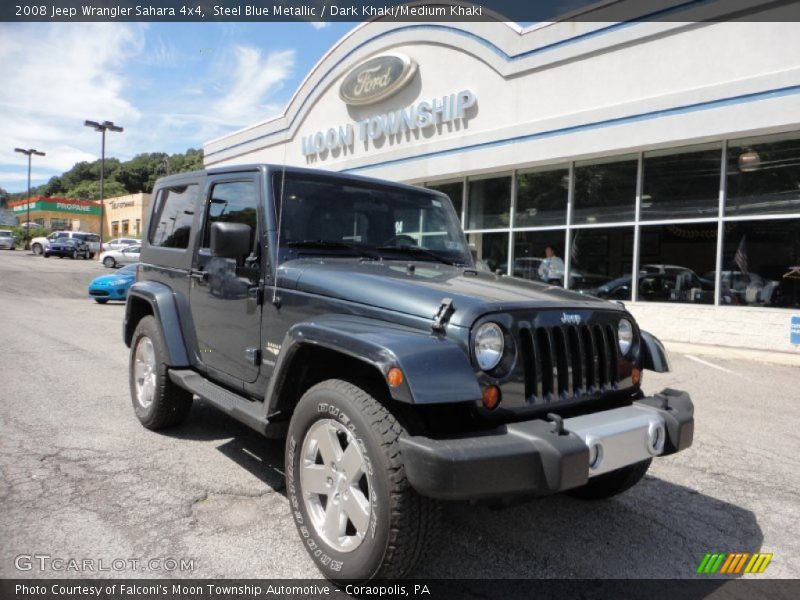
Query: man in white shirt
(552,268)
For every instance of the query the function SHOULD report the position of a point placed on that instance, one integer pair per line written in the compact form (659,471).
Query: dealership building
(669,150)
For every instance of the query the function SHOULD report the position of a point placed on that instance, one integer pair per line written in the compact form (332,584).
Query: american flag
(740,258)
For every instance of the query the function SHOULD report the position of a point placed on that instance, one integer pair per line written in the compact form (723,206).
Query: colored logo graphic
(734,563)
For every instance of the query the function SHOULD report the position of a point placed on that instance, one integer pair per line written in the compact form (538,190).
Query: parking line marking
(708,364)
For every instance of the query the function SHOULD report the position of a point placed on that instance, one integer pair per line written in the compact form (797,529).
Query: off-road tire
(403,524)
(170,404)
(613,483)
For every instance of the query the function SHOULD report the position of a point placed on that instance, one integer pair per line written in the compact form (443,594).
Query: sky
(172,86)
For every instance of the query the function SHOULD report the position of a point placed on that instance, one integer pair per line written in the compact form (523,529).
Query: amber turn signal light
(636,376)
(491,396)
(395,377)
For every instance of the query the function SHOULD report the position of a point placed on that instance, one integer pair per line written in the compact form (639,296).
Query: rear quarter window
(172,217)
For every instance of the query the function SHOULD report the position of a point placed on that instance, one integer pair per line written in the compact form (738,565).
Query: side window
(172,217)
(232,202)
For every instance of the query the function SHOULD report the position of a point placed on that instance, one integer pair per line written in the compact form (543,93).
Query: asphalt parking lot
(80,478)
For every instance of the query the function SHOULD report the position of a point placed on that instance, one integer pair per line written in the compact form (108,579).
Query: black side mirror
(231,240)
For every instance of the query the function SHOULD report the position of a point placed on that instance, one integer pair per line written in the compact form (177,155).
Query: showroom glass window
(601,262)
(681,183)
(674,261)
(763,175)
(454,191)
(542,197)
(605,190)
(490,250)
(761,264)
(489,203)
(529,256)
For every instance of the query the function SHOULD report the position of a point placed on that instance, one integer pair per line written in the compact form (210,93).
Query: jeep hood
(391,286)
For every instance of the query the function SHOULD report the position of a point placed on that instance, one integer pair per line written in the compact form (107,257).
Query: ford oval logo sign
(377,78)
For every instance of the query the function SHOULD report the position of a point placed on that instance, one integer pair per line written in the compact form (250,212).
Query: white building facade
(666,150)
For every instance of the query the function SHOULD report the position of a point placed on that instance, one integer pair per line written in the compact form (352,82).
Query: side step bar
(247,411)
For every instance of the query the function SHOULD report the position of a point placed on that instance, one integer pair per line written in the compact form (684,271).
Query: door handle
(199,275)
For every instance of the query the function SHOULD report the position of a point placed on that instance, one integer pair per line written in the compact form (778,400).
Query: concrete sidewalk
(747,354)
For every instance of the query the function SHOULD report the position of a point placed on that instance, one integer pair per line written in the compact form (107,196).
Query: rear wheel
(109,262)
(36,248)
(356,513)
(74,254)
(613,483)
(157,401)
(86,255)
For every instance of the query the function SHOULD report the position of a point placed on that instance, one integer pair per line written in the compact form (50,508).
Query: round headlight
(625,336)
(488,346)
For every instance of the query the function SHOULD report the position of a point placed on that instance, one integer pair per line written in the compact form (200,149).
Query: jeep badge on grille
(570,319)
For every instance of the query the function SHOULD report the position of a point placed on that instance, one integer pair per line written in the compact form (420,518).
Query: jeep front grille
(571,361)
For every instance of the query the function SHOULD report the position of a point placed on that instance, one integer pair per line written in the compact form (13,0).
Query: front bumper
(109,293)
(533,458)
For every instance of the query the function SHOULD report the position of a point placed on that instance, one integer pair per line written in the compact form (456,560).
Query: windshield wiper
(418,250)
(322,244)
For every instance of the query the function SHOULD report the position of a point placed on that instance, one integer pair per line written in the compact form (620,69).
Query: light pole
(102,128)
(30,152)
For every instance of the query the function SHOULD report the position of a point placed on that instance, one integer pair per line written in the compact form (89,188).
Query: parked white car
(7,240)
(121,243)
(117,258)
(40,244)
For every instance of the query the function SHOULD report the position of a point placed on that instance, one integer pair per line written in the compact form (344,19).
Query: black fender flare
(654,355)
(163,306)
(436,369)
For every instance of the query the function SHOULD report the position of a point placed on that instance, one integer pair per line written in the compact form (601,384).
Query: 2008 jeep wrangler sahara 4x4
(347,314)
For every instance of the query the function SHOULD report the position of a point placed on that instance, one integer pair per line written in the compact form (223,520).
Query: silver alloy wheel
(336,489)
(144,372)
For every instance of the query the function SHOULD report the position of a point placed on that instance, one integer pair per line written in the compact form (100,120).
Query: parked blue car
(114,286)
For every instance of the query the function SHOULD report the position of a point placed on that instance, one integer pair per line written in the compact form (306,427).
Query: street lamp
(102,128)
(30,152)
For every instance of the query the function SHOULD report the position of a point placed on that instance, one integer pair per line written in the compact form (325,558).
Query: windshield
(344,218)
(129,270)
(5,234)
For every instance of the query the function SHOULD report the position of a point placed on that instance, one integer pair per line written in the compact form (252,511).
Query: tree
(121,178)
(54,187)
(90,190)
